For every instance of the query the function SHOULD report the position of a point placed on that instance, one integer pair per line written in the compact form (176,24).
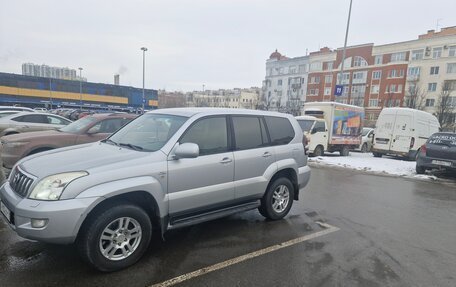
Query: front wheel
(115,238)
(364,148)
(277,201)
(345,151)
(318,151)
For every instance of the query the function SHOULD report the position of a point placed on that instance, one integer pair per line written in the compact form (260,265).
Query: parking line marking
(205,270)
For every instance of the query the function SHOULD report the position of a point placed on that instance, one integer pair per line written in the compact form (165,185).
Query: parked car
(166,169)
(86,130)
(29,122)
(14,108)
(402,131)
(367,140)
(44,110)
(439,152)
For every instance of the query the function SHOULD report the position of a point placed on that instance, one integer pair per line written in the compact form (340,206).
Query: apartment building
(284,87)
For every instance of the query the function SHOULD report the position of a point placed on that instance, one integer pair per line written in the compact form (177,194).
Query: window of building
(359,77)
(346,91)
(317,80)
(451,68)
(248,133)
(315,66)
(430,102)
(399,88)
(209,134)
(435,70)
(327,91)
(392,88)
(328,79)
(393,74)
(292,69)
(279,82)
(329,65)
(345,78)
(376,75)
(359,62)
(313,92)
(378,59)
(302,68)
(358,90)
(432,87)
(373,103)
(396,57)
(452,51)
(414,71)
(375,89)
(401,73)
(437,52)
(280,130)
(417,54)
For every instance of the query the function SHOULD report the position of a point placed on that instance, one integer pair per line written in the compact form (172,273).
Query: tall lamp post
(340,79)
(80,88)
(144,49)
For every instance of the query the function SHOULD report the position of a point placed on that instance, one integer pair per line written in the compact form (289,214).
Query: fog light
(39,223)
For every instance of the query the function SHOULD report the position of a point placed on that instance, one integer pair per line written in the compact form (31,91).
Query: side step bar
(211,215)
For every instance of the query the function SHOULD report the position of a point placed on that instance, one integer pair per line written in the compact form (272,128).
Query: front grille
(20,183)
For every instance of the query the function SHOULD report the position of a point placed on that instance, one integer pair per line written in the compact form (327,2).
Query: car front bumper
(64,217)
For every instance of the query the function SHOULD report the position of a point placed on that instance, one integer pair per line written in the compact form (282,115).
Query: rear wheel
(345,151)
(277,201)
(115,238)
(377,154)
(420,169)
(364,148)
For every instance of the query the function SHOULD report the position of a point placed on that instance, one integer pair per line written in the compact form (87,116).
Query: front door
(197,184)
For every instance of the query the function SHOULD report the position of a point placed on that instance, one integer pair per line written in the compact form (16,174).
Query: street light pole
(50,93)
(144,49)
(80,88)
(345,44)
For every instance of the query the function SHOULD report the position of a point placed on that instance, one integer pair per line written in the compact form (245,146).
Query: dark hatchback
(439,152)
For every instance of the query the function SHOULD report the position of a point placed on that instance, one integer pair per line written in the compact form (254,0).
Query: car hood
(31,136)
(85,157)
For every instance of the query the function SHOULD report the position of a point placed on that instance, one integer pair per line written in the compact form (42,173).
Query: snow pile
(368,163)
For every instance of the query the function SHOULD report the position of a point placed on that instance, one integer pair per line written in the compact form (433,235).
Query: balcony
(413,78)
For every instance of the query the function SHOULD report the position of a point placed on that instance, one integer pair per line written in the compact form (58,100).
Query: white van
(402,131)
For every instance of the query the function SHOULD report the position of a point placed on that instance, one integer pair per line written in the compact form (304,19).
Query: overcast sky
(219,43)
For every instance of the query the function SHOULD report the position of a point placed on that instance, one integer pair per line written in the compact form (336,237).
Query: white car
(366,140)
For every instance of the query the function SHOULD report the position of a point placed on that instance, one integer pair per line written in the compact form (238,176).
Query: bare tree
(171,100)
(446,106)
(416,96)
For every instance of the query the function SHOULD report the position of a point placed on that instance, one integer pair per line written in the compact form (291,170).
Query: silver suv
(164,170)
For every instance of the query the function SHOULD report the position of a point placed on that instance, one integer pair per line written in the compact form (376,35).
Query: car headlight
(14,144)
(51,187)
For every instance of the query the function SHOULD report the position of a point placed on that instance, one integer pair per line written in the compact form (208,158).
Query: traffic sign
(339,90)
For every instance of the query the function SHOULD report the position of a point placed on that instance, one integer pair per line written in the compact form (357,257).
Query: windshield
(306,125)
(79,125)
(366,131)
(149,132)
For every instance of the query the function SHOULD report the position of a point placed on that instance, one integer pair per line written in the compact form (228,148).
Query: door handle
(226,160)
(267,154)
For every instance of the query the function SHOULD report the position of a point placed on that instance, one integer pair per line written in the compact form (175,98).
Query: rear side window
(443,139)
(320,127)
(210,134)
(248,132)
(37,119)
(280,130)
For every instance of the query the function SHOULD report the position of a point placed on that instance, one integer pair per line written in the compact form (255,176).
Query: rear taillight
(423,150)
(412,142)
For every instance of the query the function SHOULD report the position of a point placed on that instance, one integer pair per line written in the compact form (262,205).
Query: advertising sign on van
(347,126)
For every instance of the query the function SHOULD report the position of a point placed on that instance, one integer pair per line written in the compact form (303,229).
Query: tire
(364,148)
(278,199)
(109,221)
(420,169)
(318,151)
(376,154)
(345,151)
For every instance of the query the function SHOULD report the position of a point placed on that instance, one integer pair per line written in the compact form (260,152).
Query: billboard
(347,125)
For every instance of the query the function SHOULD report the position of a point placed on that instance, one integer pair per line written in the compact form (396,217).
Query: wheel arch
(289,173)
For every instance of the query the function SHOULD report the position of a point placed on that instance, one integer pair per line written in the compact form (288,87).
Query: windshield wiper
(132,146)
(109,141)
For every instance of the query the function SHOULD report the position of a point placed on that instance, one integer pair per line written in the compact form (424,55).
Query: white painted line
(236,260)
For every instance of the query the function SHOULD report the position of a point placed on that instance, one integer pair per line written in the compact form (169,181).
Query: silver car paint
(176,185)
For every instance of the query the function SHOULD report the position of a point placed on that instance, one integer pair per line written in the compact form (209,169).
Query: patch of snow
(368,163)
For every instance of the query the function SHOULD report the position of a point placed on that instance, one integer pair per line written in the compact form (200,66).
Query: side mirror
(187,150)
(93,130)
(371,136)
(313,131)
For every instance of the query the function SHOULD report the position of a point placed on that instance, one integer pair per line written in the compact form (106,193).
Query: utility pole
(345,45)
(80,88)
(50,92)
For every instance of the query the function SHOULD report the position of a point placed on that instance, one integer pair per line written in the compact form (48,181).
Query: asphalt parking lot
(387,232)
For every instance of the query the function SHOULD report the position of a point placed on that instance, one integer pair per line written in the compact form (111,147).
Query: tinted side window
(280,130)
(18,119)
(37,119)
(110,125)
(56,121)
(320,127)
(209,134)
(247,132)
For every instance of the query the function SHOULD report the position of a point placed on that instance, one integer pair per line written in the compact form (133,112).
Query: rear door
(253,156)
(384,132)
(402,134)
